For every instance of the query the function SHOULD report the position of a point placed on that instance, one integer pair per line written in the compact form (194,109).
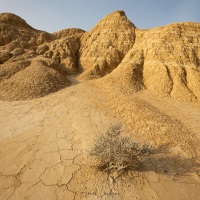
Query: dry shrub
(115,152)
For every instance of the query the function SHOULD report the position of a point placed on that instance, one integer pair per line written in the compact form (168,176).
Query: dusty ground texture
(44,146)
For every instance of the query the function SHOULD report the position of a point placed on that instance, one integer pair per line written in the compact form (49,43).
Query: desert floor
(44,145)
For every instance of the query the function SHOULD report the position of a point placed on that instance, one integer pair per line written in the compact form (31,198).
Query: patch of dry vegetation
(118,153)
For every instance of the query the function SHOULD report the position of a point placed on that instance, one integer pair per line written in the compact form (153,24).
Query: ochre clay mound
(36,80)
(163,60)
(9,69)
(52,56)
(104,47)
(15,28)
(14,20)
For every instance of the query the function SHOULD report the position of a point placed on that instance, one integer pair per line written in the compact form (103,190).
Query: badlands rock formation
(104,47)
(163,60)
(45,142)
(63,51)
(18,33)
(34,63)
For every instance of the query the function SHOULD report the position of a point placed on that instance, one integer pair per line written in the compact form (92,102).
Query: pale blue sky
(54,15)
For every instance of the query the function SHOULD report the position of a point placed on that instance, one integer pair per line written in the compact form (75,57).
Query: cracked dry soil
(44,146)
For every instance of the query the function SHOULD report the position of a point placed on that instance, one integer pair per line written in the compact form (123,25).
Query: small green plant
(116,152)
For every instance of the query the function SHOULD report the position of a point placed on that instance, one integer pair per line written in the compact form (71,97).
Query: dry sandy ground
(44,146)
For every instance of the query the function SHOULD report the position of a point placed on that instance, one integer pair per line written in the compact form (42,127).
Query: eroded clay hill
(34,63)
(104,47)
(163,60)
